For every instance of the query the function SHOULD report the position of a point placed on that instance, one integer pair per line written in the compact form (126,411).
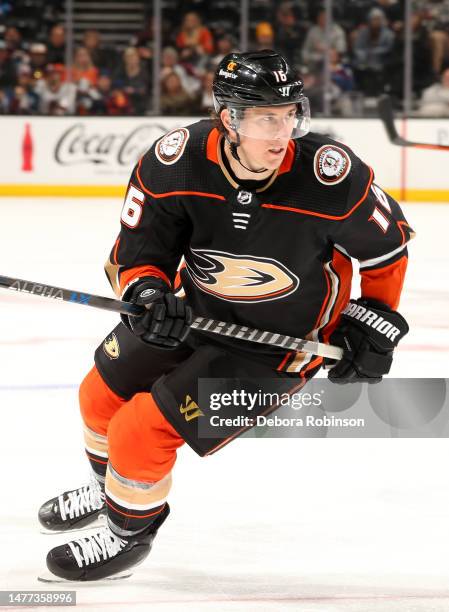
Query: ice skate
(78,509)
(101,555)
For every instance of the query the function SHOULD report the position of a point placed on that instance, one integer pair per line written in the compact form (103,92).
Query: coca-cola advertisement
(74,151)
(89,144)
(94,156)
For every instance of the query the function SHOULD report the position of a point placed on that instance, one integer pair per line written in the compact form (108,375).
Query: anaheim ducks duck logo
(111,347)
(240,278)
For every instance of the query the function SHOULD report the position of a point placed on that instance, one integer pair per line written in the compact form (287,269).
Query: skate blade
(49,578)
(100,521)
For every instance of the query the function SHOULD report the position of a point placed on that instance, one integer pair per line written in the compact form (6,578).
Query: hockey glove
(369,331)
(166,322)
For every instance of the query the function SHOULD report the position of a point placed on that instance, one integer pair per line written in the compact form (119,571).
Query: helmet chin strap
(233,146)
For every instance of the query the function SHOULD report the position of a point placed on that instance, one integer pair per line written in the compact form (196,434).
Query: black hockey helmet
(259,79)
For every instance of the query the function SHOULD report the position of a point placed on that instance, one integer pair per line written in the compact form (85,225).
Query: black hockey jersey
(276,259)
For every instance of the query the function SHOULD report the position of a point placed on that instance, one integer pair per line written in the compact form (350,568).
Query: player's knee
(98,403)
(142,444)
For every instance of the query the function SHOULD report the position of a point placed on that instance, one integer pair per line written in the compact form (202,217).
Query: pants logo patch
(190,409)
(111,347)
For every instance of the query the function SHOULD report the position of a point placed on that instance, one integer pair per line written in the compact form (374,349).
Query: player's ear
(226,121)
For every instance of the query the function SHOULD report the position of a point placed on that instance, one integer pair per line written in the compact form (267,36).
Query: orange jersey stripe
(114,255)
(129,275)
(315,362)
(284,361)
(343,269)
(212,146)
(289,158)
(385,284)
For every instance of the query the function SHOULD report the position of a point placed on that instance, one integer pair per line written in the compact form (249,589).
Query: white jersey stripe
(376,260)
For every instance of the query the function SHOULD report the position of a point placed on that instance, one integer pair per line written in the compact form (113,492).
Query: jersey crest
(331,165)
(171,146)
(240,278)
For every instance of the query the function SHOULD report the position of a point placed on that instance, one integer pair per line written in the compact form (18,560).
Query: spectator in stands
(56,45)
(104,58)
(55,96)
(264,36)
(206,102)
(7,69)
(194,41)
(38,60)
(436,15)
(83,68)
(435,99)
(24,99)
(315,44)
(112,102)
(339,89)
(440,49)
(144,40)
(5,9)
(355,13)
(421,54)
(133,80)
(174,98)
(86,97)
(225,44)
(372,46)
(288,32)
(13,40)
(4,103)
(341,73)
(170,63)
(393,10)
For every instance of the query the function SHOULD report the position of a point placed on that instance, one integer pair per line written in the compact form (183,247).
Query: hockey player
(267,217)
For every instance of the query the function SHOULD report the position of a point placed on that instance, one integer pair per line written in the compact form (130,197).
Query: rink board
(93,157)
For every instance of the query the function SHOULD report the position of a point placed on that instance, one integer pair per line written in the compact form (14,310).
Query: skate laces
(88,498)
(99,546)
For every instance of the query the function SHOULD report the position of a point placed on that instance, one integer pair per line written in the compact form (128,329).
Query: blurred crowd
(365,51)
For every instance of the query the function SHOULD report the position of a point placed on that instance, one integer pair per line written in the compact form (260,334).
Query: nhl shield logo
(111,347)
(244,197)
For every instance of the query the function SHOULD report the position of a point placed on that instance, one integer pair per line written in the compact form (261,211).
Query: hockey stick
(239,332)
(385,109)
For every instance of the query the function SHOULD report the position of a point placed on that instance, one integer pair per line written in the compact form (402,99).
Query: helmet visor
(272,122)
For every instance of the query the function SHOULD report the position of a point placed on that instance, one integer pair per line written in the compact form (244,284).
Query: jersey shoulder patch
(331,164)
(170,147)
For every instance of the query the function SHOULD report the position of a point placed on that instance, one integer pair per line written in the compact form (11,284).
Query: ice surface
(326,525)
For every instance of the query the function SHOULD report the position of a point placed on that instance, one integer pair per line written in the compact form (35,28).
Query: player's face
(264,134)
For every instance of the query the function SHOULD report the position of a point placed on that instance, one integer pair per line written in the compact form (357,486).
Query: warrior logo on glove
(369,331)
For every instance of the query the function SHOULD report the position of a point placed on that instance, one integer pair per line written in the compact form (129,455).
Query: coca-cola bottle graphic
(27,149)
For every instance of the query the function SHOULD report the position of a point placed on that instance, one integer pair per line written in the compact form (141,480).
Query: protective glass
(272,122)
